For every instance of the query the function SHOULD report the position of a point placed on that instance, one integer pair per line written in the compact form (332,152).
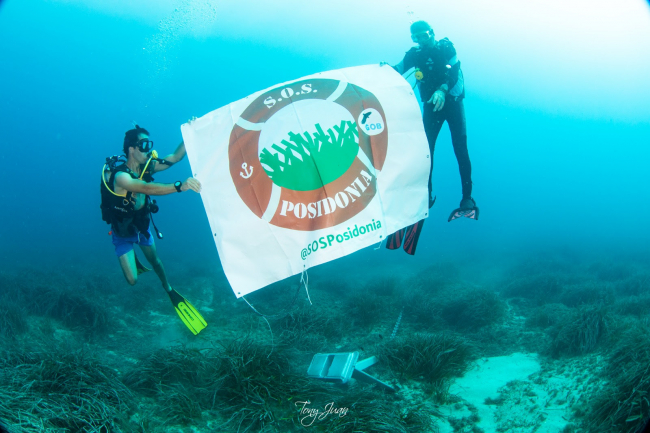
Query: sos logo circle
(305,156)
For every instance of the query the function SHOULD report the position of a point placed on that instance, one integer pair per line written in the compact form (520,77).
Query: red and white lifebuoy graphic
(334,202)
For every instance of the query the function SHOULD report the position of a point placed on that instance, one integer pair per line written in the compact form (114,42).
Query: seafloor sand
(515,394)
(487,378)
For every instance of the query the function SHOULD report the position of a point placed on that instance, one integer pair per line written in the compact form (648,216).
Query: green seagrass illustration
(312,160)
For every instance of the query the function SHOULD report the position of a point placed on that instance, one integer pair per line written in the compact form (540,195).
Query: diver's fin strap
(188,314)
(467,213)
(412,236)
(394,241)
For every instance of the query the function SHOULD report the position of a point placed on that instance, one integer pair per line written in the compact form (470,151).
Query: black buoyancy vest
(432,62)
(119,211)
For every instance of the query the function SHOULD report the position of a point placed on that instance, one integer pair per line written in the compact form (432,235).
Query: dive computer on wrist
(178,185)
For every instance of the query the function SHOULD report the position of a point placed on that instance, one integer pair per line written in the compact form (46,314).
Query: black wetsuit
(433,63)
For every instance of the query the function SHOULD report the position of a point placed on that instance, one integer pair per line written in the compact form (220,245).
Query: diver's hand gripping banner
(309,171)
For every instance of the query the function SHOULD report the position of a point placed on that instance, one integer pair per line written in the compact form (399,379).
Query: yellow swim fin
(188,314)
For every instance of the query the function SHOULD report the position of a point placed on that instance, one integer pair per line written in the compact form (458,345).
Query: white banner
(309,171)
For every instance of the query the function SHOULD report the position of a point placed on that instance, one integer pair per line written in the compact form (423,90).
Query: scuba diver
(126,205)
(442,90)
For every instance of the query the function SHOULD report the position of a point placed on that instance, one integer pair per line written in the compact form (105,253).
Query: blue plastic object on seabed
(343,366)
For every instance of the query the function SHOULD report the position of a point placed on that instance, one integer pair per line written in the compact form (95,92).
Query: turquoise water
(557,109)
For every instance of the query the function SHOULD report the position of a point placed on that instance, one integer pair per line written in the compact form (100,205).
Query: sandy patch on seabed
(515,394)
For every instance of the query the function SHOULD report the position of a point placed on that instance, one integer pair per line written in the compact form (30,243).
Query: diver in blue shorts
(126,188)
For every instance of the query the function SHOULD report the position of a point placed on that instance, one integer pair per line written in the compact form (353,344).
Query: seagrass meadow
(535,318)
(78,356)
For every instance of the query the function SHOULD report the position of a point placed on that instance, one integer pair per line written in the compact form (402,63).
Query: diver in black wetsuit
(442,90)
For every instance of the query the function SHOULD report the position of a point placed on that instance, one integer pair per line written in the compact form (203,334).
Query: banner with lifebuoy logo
(309,171)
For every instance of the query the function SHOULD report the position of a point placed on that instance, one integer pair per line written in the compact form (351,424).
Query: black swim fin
(412,236)
(188,314)
(409,234)
(468,209)
(394,241)
(139,266)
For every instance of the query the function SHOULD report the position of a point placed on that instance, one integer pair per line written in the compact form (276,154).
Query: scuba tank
(106,191)
(119,210)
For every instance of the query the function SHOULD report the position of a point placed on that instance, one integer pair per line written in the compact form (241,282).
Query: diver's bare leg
(127,262)
(152,257)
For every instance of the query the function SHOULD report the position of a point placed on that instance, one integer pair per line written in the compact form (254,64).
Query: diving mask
(144,145)
(421,37)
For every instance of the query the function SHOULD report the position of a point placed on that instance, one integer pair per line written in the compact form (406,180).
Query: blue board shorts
(124,245)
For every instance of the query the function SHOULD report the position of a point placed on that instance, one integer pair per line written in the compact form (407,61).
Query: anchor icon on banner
(248,173)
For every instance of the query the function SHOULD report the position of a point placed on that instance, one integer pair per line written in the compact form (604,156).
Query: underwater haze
(558,119)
